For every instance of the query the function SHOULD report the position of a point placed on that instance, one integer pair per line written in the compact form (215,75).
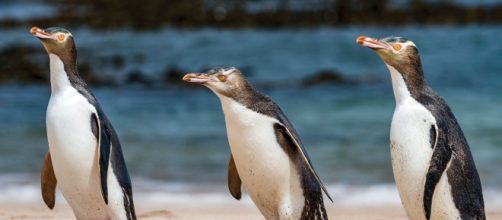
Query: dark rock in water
(137,59)
(138,77)
(17,66)
(155,14)
(116,61)
(25,64)
(328,76)
(173,75)
(92,78)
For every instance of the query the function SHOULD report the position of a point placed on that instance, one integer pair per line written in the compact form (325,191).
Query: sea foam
(25,188)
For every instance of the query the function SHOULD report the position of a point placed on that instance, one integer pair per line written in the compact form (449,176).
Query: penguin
(268,157)
(433,167)
(85,157)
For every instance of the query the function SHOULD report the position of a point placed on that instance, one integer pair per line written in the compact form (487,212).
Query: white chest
(69,123)
(411,152)
(411,149)
(410,131)
(266,171)
(68,119)
(73,146)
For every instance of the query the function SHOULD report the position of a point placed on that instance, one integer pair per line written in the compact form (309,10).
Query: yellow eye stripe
(222,78)
(396,47)
(61,37)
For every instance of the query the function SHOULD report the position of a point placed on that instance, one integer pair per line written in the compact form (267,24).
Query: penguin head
(397,52)
(224,81)
(56,40)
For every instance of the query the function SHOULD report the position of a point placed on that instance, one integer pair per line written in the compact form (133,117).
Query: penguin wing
(441,156)
(234,180)
(294,139)
(101,131)
(48,182)
(110,150)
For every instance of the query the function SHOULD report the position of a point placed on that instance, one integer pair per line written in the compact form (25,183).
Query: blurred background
(301,53)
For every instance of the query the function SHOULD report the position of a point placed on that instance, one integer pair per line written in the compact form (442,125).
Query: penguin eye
(222,78)
(396,47)
(61,37)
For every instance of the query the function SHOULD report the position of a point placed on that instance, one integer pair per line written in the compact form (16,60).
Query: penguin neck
(247,96)
(406,85)
(63,73)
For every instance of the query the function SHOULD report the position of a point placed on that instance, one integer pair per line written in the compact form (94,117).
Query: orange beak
(372,43)
(196,78)
(40,33)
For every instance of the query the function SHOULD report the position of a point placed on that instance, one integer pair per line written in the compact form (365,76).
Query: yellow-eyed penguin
(432,164)
(266,152)
(85,158)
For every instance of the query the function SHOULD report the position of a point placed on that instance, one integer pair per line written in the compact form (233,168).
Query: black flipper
(110,154)
(104,153)
(234,180)
(441,156)
(48,182)
(306,160)
(451,152)
(463,176)
(312,187)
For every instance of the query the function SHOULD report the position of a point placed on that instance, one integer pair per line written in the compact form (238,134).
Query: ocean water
(25,10)
(174,137)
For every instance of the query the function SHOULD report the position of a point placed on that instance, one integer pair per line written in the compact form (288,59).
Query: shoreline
(21,199)
(239,15)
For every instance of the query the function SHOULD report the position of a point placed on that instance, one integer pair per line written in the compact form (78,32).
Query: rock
(92,78)
(138,77)
(327,76)
(173,75)
(20,66)
(116,61)
(17,66)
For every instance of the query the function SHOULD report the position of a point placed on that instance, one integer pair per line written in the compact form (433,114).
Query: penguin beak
(40,33)
(196,78)
(372,43)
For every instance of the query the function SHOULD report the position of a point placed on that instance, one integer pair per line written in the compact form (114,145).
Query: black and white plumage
(85,157)
(433,166)
(268,157)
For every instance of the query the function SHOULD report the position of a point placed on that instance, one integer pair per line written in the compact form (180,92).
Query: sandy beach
(243,211)
(224,211)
